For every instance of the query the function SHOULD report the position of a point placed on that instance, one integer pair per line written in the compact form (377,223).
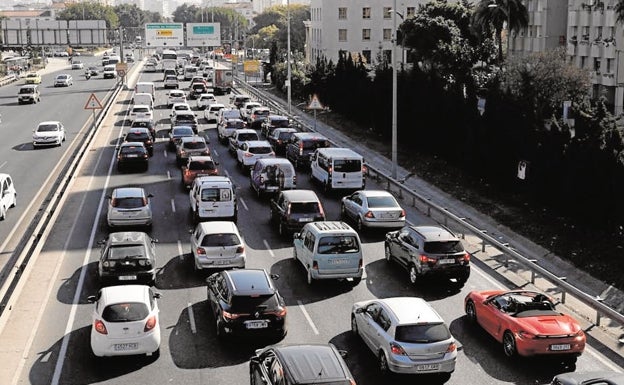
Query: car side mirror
(150,195)
(360,310)
(157,295)
(274,276)
(91,299)
(297,235)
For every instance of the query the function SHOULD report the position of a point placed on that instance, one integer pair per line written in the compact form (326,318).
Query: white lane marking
(602,359)
(226,173)
(165,153)
(191,318)
(168,175)
(305,314)
(215,152)
(173,205)
(53,280)
(46,357)
(180,252)
(83,271)
(242,201)
(266,244)
(3,164)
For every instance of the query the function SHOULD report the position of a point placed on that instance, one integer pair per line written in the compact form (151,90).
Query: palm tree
(496,13)
(619,10)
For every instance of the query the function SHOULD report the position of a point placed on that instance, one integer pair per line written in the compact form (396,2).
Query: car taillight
(150,324)
(321,211)
(300,148)
(280,312)
(279,141)
(229,316)
(145,156)
(402,214)
(240,249)
(148,142)
(451,348)
(99,327)
(465,259)
(144,201)
(200,251)
(315,265)
(369,214)
(397,349)
(425,259)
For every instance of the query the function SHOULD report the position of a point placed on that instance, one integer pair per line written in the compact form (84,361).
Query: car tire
(354,327)
(309,278)
(219,330)
(444,377)
(509,345)
(387,253)
(2,213)
(383,363)
(356,281)
(281,230)
(471,311)
(359,225)
(14,201)
(413,274)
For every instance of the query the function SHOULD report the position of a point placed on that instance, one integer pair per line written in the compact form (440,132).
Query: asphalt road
(57,316)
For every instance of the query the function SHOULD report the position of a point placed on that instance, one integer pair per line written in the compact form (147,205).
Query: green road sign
(203,30)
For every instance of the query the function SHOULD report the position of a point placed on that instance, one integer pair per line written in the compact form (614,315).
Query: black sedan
(127,256)
(601,378)
(132,154)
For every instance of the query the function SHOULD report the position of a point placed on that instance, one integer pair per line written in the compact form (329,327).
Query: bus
(169,59)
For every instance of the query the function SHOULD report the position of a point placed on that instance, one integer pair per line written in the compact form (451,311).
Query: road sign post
(93,104)
(315,104)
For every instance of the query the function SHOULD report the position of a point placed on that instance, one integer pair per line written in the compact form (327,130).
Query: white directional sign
(203,34)
(164,35)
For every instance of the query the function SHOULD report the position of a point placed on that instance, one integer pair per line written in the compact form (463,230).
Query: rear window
(218,240)
(26,90)
(338,244)
(137,136)
(198,165)
(304,208)
(349,165)
(444,247)
(231,114)
(142,124)
(128,203)
(247,137)
(422,334)
(126,252)
(280,123)
(262,113)
(195,145)
(185,118)
(125,312)
(260,150)
(140,109)
(216,195)
(284,135)
(132,150)
(183,132)
(315,143)
(236,124)
(381,202)
(250,304)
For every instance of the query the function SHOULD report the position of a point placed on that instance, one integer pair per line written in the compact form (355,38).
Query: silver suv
(406,334)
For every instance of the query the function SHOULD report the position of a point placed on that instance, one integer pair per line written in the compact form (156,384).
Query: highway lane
(190,353)
(31,168)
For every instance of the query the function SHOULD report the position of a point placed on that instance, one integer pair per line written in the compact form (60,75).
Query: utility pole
(394,92)
(289,75)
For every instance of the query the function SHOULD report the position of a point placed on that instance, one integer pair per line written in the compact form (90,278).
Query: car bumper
(103,346)
(405,365)
(535,347)
(220,263)
(238,329)
(385,223)
(124,277)
(121,222)
(316,274)
(45,142)
(457,272)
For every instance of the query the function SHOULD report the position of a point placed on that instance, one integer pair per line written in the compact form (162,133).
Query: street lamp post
(394,92)
(289,75)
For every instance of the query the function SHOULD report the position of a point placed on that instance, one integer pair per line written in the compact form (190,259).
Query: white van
(143,98)
(338,168)
(212,197)
(329,250)
(8,195)
(109,71)
(190,72)
(145,87)
(271,175)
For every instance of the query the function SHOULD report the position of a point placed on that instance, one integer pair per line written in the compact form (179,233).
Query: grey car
(129,206)
(406,334)
(598,378)
(372,208)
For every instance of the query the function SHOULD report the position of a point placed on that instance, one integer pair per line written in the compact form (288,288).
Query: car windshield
(304,208)
(126,252)
(26,90)
(198,165)
(194,145)
(284,135)
(247,136)
(381,202)
(443,247)
(247,304)
(422,334)
(181,107)
(347,165)
(125,312)
(219,240)
(185,118)
(47,128)
(61,77)
(128,202)
(338,244)
(235,124)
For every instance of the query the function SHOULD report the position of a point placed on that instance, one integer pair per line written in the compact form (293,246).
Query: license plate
(128,346)
(132,156)
(127,277)
(428,367)
(338,261)
(256,324)
(222,262)
(305,219)
(387,216)
(560,347)
(446,261)
(271,188)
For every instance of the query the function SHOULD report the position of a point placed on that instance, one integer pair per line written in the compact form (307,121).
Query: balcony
(571,50)
(610,18)
(597,18)
(583,48)
(595,77)
(538,18)
(573,18)
(608,79)
(609,51)
(583,18)
(596,49)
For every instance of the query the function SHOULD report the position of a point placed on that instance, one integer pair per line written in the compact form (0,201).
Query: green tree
(186,13)
(496,13)
(90,11)
(619,11)
(277,16)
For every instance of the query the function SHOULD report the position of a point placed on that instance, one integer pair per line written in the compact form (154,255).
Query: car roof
(285,129)
(434,233)
(218,227)
(245,130)
(310,135)
(300,195)
(124,293)
(249,282)
(138,129)
(133,144)
(213,179)
(213,105)
(411,310)
(140,106)
(277,117)
(177,128)
(332,227)
(269,161)
(374,193)
(312,362)
(200,158)
(338,151)
(128,192)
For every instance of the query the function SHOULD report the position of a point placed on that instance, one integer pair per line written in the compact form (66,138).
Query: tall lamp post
(288,76)
(394,92)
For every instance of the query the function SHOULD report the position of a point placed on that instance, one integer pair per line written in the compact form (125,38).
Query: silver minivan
(329,250)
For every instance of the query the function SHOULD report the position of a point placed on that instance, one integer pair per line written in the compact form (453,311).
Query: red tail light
(425,259)
(397,349)
(145,156)
(229,316)
(300,148)
(150,324)
(329,170)
(240,249)
(281,312)
(315,265)
(321,211)
(369,215)
(451,348)
(200,251)
(465,258)
(148,142)
(402,214)
(248,155)
(99,327)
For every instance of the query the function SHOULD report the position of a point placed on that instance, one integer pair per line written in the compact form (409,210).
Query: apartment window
(411,12)
(366,34)
(387,12)
(387,55)
(366,13)
(597,65)
(366,54)
(610,66)
(387,34)
(342,35)
(598,33)
(342,13)
(583,60)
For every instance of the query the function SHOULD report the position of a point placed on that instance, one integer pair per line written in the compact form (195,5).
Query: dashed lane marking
(173,205)
(191,318)
(242,201)
(307,316)
(266,244)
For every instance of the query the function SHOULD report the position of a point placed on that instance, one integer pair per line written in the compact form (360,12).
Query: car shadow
(80,365)
(196,346)
(178,273)
(67,290)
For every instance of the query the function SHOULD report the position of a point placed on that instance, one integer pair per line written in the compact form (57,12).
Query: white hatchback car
(49,133)
(211,113)
(249,152)
(204,100)
(8,195)
(63,80)
(175,96)
(177,107)
(141,111)
(125,321)
(129,206)
(217,244)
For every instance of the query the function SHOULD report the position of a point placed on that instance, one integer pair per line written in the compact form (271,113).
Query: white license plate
(271,188)
(446,261)
(221,262)
(132,156)
(560,347)
(338,261)
(305,219)
(256,324)
(127,277)
(387,216)
(428,367)
(128,346)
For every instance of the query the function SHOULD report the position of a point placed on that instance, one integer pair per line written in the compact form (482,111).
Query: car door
(353,205)
(380,340)
(367,320)
(490,315)
(396,246)
(307,251)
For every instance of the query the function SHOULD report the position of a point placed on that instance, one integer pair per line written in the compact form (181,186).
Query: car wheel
(509,344)
(359,225)
(570,362)
(387,253)
(354,327)
(471,311)
(356,281)
(383,363)
(413,274)
(14,200)
(309,278)
(2,213)
(444,377)
(281,229)
(218,330)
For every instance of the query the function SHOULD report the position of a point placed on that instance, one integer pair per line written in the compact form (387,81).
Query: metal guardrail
(8,79)
(430,208)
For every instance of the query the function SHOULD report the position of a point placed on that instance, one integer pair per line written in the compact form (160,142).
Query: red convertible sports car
(527,323)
